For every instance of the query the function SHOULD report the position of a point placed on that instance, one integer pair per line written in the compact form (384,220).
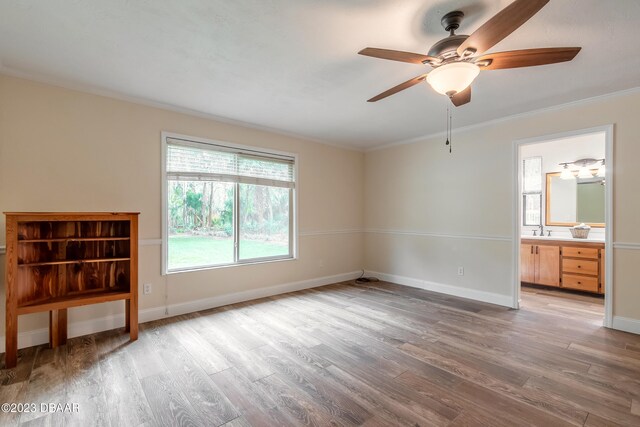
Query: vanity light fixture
(584,170)
(601,170)
(566,172)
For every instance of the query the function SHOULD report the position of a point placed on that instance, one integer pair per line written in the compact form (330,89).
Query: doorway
(561,181)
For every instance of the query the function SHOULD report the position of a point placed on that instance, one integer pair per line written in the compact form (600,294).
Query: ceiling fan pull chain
(450,126)
(447,128)
(449,120)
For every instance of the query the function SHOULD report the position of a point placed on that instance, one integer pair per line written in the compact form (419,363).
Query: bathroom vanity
(576,264)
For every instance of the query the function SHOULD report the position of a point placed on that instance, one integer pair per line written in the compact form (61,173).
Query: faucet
(541,230)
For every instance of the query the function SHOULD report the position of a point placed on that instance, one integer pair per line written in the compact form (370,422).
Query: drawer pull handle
(579,283)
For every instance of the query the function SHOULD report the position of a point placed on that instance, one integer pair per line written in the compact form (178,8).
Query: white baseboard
(490,297)
(626,324)
(75,329)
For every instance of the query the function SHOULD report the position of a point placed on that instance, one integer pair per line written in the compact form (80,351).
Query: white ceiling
(291,65)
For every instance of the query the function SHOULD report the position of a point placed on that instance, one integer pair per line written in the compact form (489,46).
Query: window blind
(194,161)
(532,175)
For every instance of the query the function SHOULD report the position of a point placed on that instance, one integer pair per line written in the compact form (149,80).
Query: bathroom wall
(558,151)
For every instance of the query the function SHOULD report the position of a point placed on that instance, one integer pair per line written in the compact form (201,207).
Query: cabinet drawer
(572,252)
(583,283)
(581,266)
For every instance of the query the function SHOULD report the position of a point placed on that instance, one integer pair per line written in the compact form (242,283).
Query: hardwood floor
(581,306)
(375,355)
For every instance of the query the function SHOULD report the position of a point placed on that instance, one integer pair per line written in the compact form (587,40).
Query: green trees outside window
(225,207)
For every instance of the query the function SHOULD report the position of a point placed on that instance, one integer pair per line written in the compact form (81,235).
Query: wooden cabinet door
(602,271)
(548,265)
(527,263)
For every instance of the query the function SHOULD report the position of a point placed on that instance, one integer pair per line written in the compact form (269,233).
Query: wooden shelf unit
(55,261)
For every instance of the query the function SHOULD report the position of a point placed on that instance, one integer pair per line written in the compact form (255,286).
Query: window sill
(236,264)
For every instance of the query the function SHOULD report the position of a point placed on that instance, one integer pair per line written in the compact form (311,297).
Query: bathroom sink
(567,237)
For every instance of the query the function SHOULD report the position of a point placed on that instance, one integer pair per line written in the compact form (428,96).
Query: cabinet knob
(579,283)
(579,266)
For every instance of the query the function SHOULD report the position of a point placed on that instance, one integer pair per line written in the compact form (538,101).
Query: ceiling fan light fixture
(452,78)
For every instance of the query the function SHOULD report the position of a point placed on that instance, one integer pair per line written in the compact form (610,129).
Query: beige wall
(427,193)
(63,150)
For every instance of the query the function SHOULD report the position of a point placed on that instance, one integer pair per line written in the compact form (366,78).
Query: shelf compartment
(76,261)
(73,239)
(74,301)
(97,276)
(42,282)
(36,230)
(38,283)
(30,253)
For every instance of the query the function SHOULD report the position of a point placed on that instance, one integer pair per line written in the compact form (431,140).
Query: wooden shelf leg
(127,318)
(57,327)
(62,326)
(11,339)
(131,319)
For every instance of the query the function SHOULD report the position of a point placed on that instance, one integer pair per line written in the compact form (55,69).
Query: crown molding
(567,105)
(4,70)
(83,88)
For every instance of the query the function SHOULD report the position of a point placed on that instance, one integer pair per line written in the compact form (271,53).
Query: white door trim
(608,212)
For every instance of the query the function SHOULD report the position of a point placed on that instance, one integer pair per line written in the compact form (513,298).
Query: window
(532,191)
(225,204)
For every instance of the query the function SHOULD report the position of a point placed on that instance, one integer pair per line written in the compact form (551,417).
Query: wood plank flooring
(374,355)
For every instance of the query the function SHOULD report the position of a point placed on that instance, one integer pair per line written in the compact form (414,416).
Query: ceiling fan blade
(462,98)
(396,55)
(500,26)
(526,57)
(402,86)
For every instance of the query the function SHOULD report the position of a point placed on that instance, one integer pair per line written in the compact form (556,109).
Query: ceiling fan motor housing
(451,21)
(447,47)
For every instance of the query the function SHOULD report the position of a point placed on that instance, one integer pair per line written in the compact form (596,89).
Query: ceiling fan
(458,59)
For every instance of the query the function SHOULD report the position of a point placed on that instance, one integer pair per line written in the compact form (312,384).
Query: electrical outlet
(460,271)
(146,289)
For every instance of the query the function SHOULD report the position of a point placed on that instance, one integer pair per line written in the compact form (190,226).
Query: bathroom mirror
(573,201)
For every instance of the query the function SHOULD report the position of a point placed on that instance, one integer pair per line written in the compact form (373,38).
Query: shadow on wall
(427,20)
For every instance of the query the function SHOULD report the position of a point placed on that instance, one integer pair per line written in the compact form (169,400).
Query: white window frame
(293,204)
(533,193)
